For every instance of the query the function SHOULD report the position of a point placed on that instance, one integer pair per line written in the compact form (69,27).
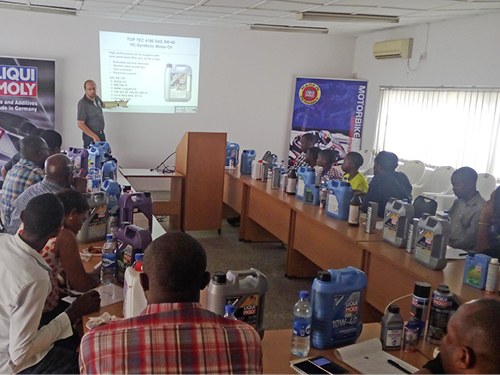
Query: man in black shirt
(387,183)
(89,115)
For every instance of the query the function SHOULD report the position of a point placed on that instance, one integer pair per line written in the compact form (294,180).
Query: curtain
(441,126)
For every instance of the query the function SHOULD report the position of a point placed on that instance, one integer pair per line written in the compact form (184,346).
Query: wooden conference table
(277,354)
(316,241)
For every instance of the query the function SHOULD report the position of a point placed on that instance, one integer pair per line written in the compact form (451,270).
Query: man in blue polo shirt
(89,115)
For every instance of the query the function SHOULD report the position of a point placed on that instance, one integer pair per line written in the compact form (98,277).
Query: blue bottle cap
(304,294)
(138,257)
(109,237)
(230,309)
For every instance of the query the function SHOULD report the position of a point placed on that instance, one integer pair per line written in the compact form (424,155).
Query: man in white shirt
(24,276)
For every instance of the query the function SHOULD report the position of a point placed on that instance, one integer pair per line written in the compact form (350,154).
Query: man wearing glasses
(89,114)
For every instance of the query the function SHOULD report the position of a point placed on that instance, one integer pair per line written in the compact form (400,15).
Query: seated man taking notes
(24,276)
(470,346)
(466,210)
(173,334)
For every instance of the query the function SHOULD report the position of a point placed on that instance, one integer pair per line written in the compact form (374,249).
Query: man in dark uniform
(89,116)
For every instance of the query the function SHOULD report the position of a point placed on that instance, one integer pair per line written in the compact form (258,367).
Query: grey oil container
(397,216)
(431,242)
(94,228)
(246,290)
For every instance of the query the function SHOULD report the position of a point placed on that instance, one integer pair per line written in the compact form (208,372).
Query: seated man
(312,156)
(352,162)
(24,275)
(386,182)
(306,142)
(326,160)
(465,212)
(28,171)
(173,334)
(470,346)
(59,175)
(53,139)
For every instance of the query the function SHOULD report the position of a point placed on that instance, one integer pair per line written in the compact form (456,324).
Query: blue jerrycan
(336,299)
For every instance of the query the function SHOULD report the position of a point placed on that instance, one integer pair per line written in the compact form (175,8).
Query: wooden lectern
(201,158)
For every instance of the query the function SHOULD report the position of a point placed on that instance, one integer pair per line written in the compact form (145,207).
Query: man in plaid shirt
(28,171)
(173,335)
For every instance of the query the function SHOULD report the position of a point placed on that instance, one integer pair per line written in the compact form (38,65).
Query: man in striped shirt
(173,334)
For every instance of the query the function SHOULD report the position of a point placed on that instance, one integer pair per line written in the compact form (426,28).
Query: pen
(398,366)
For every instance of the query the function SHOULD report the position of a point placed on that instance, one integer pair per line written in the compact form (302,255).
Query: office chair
(423,205)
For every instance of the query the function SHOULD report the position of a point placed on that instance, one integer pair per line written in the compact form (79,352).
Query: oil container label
(474,274)
(97,222)
(390,226)
(301,185)
(423,246)
(98,215)
(308,196)
(247,308)
(346,316)
(178,86)
(393,338)
(333,203)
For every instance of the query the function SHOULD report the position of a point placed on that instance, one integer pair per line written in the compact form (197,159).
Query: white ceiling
(242,13)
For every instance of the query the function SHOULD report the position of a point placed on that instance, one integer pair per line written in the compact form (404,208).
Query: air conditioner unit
(393,49)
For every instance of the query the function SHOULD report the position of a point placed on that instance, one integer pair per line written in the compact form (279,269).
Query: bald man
(173,334)
(470,346)
(58,175)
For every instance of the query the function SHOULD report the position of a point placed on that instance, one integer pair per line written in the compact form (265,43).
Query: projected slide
(156,74)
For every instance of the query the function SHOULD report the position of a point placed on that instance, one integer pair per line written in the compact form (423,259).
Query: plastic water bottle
(282,167)
(108,261)
(302,313)
(229,314)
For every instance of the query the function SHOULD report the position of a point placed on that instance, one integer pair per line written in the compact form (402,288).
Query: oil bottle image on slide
(178,83)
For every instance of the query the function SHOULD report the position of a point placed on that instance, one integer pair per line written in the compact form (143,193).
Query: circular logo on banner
(309,93)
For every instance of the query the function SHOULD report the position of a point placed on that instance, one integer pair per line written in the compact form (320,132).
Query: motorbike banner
(330,108)
(27,100)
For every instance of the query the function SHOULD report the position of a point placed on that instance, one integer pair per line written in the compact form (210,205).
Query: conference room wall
(462,52)
(246,80)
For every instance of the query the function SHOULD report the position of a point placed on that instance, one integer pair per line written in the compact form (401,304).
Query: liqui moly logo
(441,301)
(18,81)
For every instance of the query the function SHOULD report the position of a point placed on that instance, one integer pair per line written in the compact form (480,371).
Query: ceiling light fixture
(289,29)
(38,8)
(345,17)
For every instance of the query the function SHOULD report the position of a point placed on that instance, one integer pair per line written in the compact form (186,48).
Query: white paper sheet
(110,294)
(452,253)
(368,358)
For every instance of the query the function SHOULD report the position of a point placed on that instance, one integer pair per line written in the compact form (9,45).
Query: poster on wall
(332,109)
(27,98)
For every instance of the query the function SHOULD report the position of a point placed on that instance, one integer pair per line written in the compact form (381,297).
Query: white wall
(246,80)
(464,52)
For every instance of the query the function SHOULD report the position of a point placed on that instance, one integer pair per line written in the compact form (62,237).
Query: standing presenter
(89,115)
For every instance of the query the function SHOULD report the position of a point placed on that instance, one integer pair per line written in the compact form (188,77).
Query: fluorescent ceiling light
(345,17)
(289,29)
(37,8)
